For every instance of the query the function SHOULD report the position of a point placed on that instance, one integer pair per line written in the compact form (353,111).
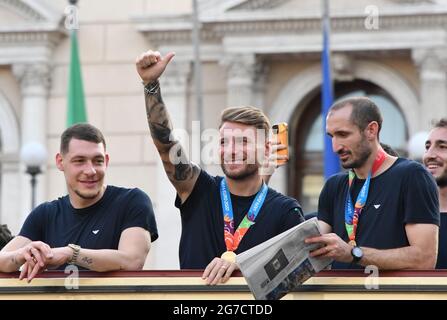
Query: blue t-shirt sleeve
(201,189)
(140,213)
(33,227)
(421,197)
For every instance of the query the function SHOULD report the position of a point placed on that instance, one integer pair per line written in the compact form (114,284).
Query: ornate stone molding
(175,78)
(10,131)
(240,66)
(241,71)
(258,4)
(50,37)
(23,9)
(214,29)
(261,73)
(343,67)
(434,59)
(34,78)
(274,25)
(31,10)
(412,1)
(41,24)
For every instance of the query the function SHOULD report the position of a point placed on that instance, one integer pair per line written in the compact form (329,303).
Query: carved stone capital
(175,77)
(343,67)
(240,68)
(430,58)
(34,79)
(260,74)
(241,74)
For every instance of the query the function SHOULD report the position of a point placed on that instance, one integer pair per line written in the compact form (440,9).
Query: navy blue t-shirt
(99,226)
(442,244)
(202,236)
(405,193)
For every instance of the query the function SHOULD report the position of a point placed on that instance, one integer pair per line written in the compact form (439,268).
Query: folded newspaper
(282,263)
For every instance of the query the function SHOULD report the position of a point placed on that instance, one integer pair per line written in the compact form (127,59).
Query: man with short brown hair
(384,211)
(96,226)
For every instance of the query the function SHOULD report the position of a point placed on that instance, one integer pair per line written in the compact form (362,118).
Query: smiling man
(95,226)
(435,160)
(384,210)
(221,216)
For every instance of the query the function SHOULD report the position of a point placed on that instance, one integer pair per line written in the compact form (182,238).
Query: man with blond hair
(221,216)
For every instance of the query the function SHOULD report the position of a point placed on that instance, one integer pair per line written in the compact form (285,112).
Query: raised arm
(180,171)
(274,161)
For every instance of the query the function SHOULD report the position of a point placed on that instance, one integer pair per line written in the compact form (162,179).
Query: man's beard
(249,171)
(364,152)
(441,181)
(87,196)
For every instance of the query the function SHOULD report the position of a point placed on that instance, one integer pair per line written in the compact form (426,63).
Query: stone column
(10,195)
(260,74)
(34,82)
(240,79)
(174,89)
(432,65)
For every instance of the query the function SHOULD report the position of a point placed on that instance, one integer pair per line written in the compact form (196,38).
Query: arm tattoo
(87,260)
(169,148)
(14,261)
(158,119)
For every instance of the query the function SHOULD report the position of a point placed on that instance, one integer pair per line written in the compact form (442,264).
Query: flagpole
(197,68)
(331,161)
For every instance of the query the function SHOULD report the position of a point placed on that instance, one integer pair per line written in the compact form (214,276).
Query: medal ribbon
(232,238)
(352,213)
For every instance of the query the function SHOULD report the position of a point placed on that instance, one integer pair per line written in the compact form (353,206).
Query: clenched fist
(150,65)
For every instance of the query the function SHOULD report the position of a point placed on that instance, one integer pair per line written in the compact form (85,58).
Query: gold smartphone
(282,132)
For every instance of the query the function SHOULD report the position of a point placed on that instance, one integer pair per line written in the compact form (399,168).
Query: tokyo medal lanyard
(352,212)
(233,238)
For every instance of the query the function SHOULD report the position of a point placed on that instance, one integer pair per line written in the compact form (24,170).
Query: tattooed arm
(180,171)
(131,254)
(132,250)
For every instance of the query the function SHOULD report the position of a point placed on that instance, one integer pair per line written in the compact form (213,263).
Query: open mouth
(433,165)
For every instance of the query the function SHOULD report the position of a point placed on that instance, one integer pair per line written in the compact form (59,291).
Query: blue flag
(330,159)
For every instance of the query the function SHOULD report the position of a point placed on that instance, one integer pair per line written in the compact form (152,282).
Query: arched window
(308,139)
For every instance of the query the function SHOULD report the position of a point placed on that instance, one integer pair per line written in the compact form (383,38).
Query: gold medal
(353,243)
(229,256)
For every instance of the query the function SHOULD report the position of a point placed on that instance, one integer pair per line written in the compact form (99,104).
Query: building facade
(253,52)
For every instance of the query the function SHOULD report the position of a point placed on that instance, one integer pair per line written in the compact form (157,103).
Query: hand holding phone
(281,136)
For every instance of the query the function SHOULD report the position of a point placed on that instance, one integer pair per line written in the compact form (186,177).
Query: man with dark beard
(435,160)
(221,216)
(384,211)
(96,227)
